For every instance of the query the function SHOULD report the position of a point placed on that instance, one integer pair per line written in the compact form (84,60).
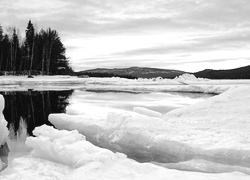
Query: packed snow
(206,140)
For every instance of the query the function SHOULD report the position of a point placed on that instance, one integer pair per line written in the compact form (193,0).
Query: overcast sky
(188,35)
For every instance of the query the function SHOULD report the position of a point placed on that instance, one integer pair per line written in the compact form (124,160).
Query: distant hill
(238,73)
(132,72)
(144,72)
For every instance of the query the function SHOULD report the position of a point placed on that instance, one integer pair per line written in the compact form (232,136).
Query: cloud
(232,40)
(222,13)
(107,17)
(84,64)
(199,26)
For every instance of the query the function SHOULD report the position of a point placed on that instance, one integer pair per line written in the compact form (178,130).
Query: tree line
(105,74)
(38,53)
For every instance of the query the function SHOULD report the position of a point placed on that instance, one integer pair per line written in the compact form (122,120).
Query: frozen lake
(35,106)
(25,110)
(30,109)
(192,134)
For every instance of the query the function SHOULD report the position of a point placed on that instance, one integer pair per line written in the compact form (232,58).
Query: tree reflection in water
(33,107)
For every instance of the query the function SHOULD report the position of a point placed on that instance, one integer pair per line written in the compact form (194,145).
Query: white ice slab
(216,130)
(3,123)
(67,155)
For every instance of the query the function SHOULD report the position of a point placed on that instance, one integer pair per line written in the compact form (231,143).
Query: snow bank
(3,123)
(27,167)
(218,127)
(89,162)
(216,130)
(3,134)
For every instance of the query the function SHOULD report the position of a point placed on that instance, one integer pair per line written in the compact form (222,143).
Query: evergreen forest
(38,53)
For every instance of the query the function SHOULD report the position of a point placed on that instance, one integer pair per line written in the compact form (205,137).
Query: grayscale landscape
(130,90)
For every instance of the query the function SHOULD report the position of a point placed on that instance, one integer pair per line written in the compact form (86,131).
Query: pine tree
(29,45)
(1,47)
(42,52)
(1,33)
(16,50)
(5,52)
(52,53)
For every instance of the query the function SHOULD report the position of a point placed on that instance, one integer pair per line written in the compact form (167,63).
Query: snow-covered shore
(185,83)
(207,140)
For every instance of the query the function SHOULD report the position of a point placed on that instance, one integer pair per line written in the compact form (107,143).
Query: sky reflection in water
(85,102)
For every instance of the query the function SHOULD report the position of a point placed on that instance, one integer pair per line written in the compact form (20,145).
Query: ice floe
(67,155)
(216,130)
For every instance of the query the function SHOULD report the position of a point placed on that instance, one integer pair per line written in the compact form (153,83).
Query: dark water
(33,107)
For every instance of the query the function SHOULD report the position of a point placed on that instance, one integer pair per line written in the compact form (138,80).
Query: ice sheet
(216,130)
(211,136)
(67,155)
(85,102)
